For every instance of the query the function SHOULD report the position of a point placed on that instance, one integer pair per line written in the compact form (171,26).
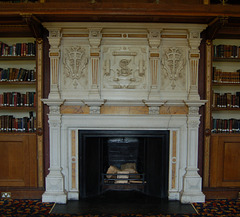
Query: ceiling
(24,19)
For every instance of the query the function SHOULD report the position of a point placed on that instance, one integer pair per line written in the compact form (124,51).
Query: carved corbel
(34,24)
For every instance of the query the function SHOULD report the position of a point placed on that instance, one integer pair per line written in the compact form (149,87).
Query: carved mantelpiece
(147,66)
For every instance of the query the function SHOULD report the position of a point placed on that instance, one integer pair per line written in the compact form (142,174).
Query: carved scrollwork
(173,63)
(75,63)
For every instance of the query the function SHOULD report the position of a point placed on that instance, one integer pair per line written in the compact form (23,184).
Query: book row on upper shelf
(8,123)
(18,49)
(226,51)
(15,74)
(226,100)
(226,125)
(218,76)
(16,99)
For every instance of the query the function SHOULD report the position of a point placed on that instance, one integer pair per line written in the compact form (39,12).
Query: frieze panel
(75,65)
(124,68)
(173,68)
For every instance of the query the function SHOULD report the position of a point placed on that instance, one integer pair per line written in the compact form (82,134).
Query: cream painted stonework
(142,65)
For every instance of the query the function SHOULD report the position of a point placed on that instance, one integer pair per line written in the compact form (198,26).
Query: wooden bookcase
(222,117)
(21,148)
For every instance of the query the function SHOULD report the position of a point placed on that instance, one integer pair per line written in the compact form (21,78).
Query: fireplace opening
(123,160)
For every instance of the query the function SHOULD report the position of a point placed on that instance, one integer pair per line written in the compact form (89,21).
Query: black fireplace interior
(123,160)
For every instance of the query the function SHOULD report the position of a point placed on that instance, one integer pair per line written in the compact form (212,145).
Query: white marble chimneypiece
(124,64)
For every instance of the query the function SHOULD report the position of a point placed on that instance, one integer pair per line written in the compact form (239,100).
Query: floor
(120,202)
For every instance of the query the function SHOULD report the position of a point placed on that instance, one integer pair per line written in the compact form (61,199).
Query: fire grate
(123,181)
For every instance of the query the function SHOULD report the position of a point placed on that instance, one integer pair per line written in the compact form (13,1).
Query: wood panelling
(18,160)
(225,161)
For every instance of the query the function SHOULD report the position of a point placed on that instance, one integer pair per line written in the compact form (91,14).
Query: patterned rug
(22,208)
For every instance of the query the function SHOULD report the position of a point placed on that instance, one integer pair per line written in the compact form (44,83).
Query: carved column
(154,58)
(55,191)
(94,41)
(54,54)
(192,183)
(194,56)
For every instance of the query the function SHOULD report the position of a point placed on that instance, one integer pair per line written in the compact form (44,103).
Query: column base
(197,197)
(192,188)
(56,197)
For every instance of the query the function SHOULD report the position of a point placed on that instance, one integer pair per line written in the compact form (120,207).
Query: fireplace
(123,78)
(120,160)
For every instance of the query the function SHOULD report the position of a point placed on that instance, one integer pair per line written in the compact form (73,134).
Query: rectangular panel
(18,160)
(231,158)
(225,161)
(12,161)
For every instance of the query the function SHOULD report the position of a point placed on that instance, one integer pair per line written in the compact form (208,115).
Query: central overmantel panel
(117,62)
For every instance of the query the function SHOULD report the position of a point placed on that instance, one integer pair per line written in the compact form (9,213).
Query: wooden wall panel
(18,160)
(225,161)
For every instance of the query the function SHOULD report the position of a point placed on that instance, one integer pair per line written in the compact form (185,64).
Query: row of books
(226,125)
(15,74)
(226,100)
(18,49)
(218,76)
(16,99)
(226,51)
(8,123)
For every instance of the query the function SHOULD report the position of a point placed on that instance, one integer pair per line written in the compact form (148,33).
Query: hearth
(120,160)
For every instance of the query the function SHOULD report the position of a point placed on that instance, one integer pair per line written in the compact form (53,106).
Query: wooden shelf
(17,133)
(18,83)
(225,84)
(219,59)
(225,134)
(5,58)
(225,109)
(18,108)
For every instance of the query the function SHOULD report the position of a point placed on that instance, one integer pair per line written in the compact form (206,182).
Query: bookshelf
(222,119)
(21,114)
